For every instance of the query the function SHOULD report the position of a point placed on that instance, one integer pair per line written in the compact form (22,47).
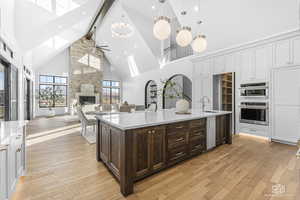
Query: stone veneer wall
(81,71)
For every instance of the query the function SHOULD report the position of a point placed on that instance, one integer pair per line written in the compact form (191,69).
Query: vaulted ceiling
(44,29)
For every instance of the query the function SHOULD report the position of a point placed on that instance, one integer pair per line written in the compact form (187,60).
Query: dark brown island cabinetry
(137,153)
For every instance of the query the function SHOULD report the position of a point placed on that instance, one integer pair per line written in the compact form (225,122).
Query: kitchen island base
(134,154)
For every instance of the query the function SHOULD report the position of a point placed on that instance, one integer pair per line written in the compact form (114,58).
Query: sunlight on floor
(52,134)
(32,136)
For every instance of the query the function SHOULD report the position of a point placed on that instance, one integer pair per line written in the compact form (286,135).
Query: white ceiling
(43,31)
(45,28)
(225,23)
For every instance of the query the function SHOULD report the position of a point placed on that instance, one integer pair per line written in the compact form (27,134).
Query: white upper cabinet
(246,66)
(203,67)
(219,65)
(262,62)
(295,43)
(230,63)
(282,53)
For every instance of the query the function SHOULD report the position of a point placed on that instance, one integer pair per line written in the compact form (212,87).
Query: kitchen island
(136,145)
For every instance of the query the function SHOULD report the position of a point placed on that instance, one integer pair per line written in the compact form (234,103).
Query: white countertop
(126,121)
(9,129)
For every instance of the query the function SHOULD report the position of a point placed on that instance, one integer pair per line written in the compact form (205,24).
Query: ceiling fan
(92,36)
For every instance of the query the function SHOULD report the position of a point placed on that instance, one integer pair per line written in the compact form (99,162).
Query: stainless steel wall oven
(254,90)
(254,113)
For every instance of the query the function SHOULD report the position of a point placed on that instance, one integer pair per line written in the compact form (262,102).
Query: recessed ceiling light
(196,8)
(153,7)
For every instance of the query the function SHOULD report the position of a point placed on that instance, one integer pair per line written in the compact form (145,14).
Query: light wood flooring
(62,166)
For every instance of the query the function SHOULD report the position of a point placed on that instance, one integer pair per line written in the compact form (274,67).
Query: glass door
(13,93)
(3,96)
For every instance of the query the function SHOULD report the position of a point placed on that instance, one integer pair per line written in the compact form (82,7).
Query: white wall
(134,88)
(58,66)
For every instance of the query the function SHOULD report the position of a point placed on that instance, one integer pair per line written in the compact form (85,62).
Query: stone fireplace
(86,72)
(87,95)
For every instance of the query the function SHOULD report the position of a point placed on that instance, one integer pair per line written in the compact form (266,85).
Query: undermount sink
(210,111)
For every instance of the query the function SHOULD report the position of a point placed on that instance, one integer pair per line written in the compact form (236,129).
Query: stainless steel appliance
(254,113)
(254,90)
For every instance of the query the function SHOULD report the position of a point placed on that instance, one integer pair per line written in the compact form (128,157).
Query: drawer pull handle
(178,155)
(178,127)
(198,134)
(180,139)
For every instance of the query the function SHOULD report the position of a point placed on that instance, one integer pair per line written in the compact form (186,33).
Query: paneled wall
(251,62)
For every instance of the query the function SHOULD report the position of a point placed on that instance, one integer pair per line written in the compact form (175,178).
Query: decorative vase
(182,106)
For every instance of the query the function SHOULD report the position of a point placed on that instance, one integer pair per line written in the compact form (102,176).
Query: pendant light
(184,35)
(199,43)
(162,26)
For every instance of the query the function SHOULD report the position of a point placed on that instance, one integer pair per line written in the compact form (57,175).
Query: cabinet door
(282,53)
(296,50)
(246,65)
(142,152)
(197,91)
(230,63)
(3,174)
(104,148)
(219,65)
(286,123)
(211,133)
(286,104)
(262,62)
(158,149)
(203,68)
(207,85)
(222,128)
(114,151)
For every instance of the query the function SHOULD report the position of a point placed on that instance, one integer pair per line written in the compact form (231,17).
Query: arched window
(150,93)
(181,88)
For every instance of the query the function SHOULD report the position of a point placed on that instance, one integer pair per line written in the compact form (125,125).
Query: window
(111,92)
(53,91)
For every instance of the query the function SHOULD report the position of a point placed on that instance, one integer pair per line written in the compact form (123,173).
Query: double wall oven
(254,107)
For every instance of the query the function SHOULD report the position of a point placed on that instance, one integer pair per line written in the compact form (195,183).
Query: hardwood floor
(62,166)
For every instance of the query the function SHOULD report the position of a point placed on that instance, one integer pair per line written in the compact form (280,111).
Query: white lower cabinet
(3,173)
(211,133)
(12,165)
(286,126)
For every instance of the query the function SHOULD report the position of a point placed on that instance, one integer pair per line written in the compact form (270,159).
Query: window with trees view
(53,91)
(111,92)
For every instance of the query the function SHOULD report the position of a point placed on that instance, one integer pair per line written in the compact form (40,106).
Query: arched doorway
(181,88)
(150,93)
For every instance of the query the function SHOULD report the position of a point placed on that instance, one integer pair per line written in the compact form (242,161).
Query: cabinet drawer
(176,154)
(200,123)
(178,127)
(176,139)
(197,133)
(197,146)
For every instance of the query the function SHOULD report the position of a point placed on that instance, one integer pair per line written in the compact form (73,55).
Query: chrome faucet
(204,100)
